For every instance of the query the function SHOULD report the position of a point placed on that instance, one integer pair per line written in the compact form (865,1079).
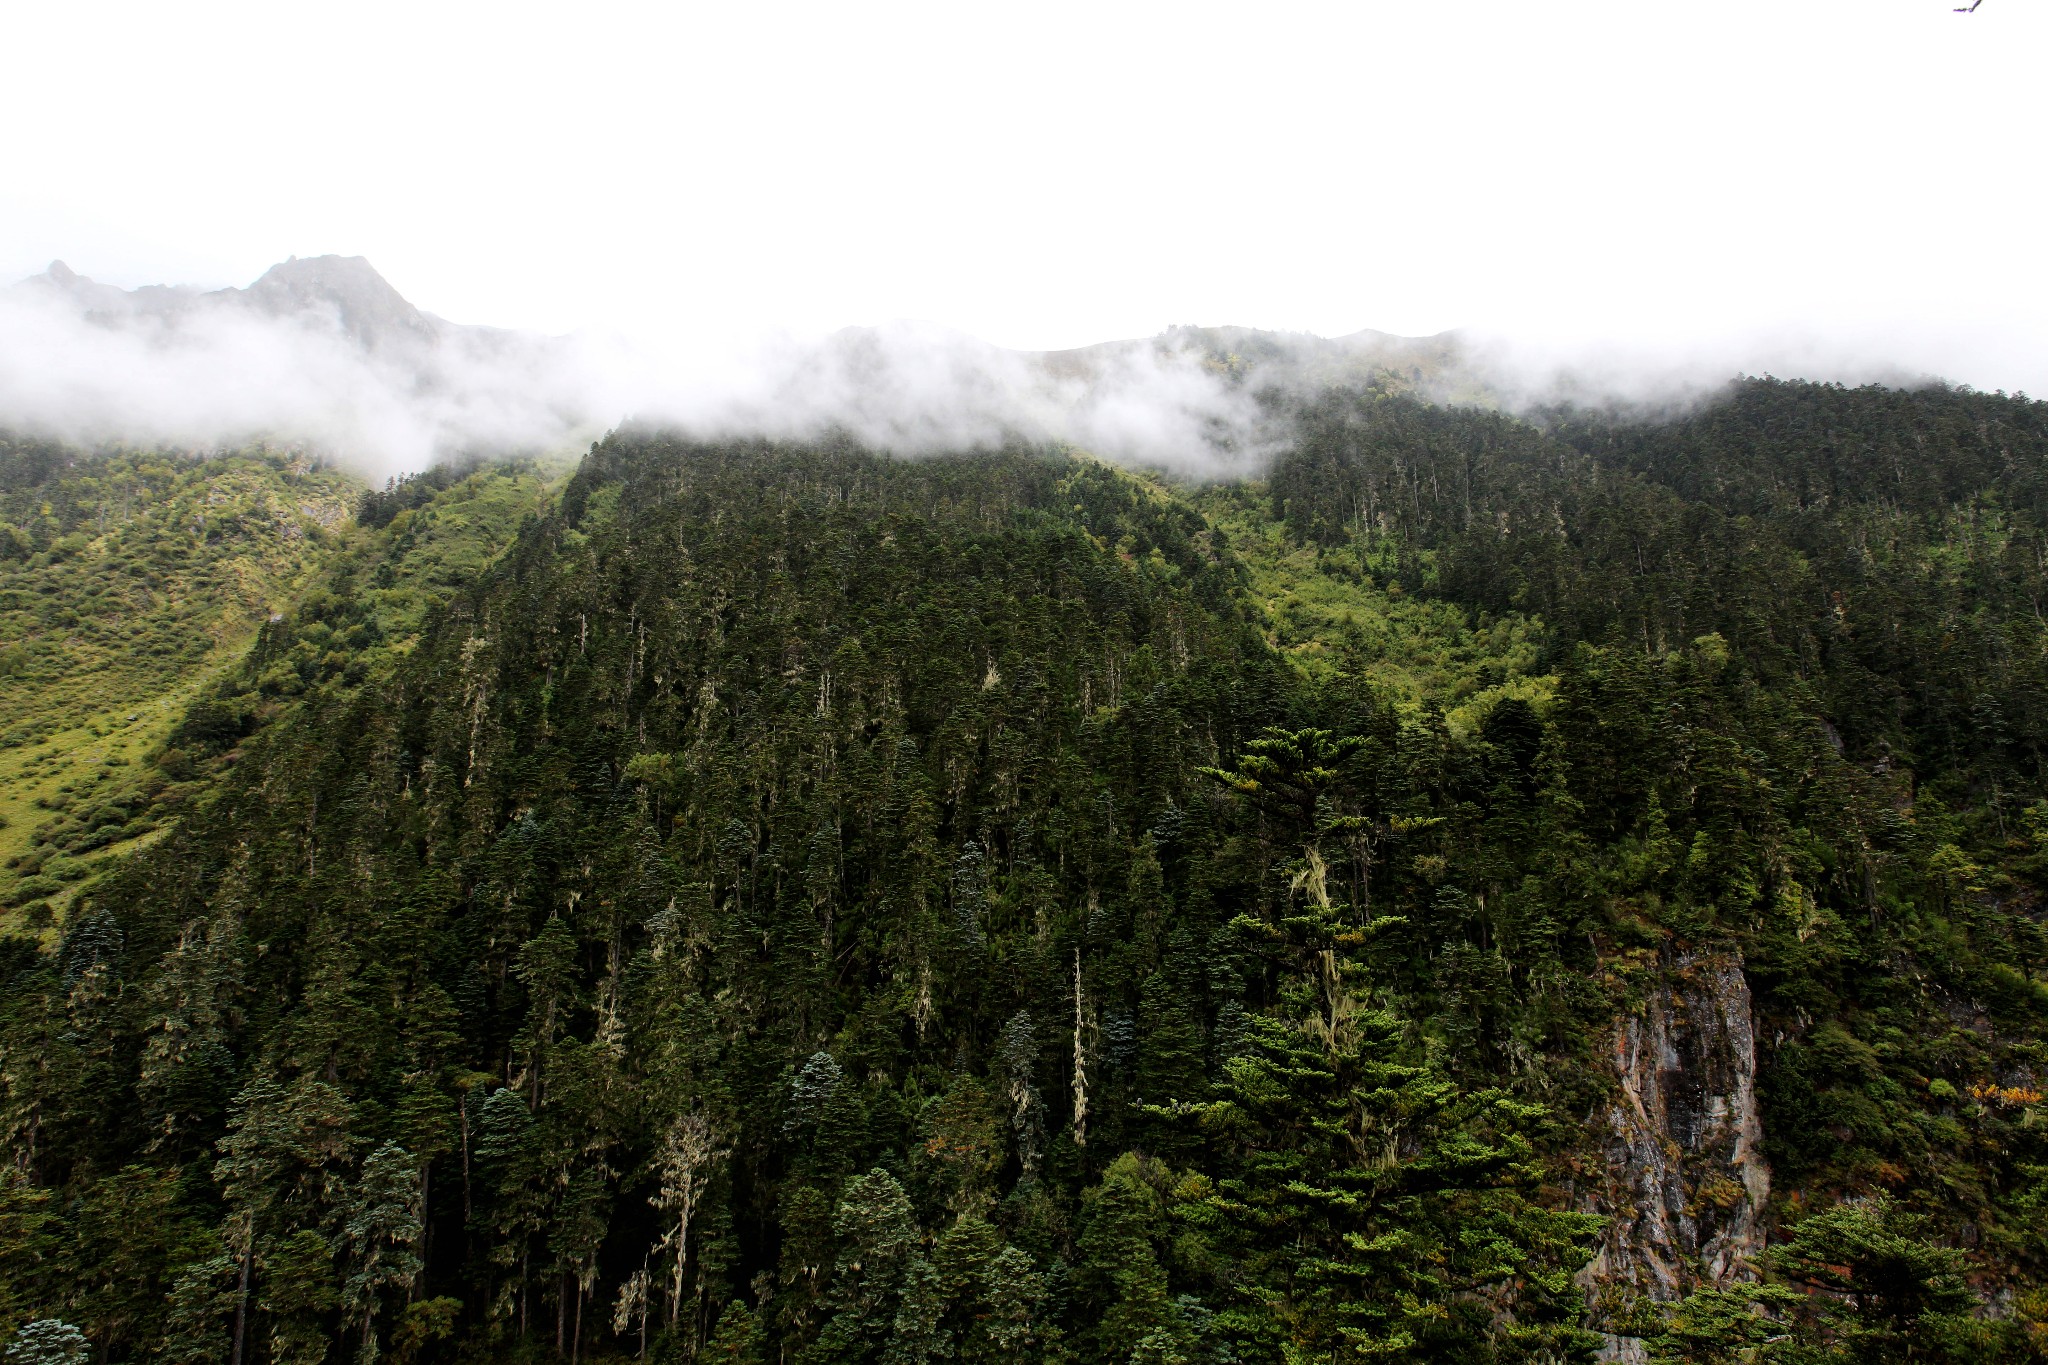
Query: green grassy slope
(128,582)
(135,586)
(1344,610)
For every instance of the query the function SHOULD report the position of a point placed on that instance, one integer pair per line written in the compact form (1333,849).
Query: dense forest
(1492,889)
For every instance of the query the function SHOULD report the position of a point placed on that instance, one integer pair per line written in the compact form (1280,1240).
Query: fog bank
(324,352)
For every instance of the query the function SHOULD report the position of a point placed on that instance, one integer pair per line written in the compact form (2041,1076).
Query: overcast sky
(1859,174)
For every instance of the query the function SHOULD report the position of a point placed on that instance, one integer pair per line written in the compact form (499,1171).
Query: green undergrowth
(1336,610)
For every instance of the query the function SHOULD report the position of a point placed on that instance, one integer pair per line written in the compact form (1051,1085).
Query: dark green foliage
(379,506)
(1874,551)
(798,905)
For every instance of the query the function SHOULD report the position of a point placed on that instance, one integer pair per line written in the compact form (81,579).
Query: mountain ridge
(345,291)
(1185,396)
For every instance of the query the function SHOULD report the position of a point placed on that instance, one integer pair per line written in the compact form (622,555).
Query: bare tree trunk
(412,1290)
(675,1291)
(1080,1064)
(242,1293)
(687,1153)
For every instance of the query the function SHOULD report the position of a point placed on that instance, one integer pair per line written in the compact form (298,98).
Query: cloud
(1654,372)
(90,364)
(324,352)
(917,389)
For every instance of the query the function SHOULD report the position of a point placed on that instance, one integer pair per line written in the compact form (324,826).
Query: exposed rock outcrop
(1683,1180)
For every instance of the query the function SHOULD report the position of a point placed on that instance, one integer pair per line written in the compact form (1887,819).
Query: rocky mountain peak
(362,301)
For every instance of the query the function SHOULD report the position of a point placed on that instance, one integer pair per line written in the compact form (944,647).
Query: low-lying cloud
(91,364)
(323,352)
(915,389)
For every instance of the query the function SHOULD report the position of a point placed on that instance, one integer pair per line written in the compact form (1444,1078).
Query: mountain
(1296,361)
(126,582)
(1484,890)
(344,292)
(319,353)
(366,306)
(324,352)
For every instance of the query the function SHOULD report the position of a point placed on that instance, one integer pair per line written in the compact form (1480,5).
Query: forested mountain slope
(1488,886)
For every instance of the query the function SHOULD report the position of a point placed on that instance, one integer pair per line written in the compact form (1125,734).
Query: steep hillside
(127,583)
(1458,899)
(1797,725)
(135,587)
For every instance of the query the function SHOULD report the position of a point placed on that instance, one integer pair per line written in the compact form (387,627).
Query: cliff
(1684,1180)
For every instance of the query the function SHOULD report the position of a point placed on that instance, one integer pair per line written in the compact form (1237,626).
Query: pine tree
(1119,1271)
(1895,1294)
(281,1161)
(48,1341)
(918,1335)
(738,1339)
(683,1165)
(878,1240)
(298,1295)
(1014,1292)
(382,1231)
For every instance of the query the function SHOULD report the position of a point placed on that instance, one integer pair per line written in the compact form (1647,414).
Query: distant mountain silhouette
(363,302)
(342,292)
(327,344)
(347,294)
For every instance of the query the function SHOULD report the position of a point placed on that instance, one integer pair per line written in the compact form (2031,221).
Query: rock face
(1684,1180)
(347,288)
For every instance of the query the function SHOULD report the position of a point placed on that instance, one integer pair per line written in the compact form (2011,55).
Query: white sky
(1865,173)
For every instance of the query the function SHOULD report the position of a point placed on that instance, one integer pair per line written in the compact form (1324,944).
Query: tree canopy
(782,902)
